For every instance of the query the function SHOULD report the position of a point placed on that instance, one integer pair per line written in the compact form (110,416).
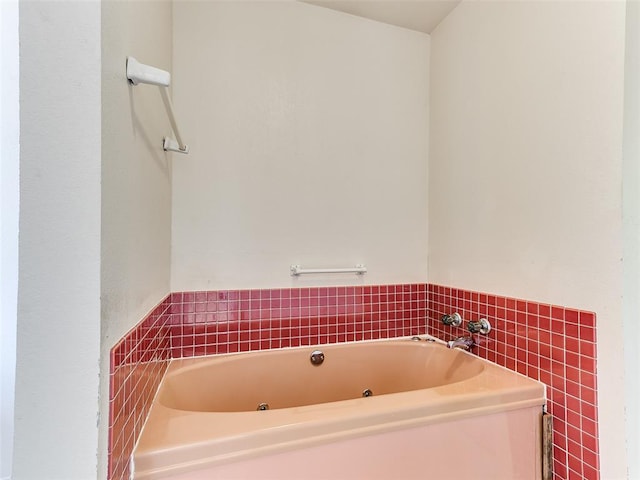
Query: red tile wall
(138,363)
(205,323)
(553,344)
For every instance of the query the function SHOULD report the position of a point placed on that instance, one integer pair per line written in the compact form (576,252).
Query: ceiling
(420,15)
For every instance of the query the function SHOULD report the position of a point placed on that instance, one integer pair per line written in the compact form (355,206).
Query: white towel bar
(140,73)
(298,270)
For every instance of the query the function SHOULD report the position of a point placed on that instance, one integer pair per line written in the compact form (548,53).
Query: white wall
(136,178)
(9,200)
(631,225)
(58,334)
(525,167)
(308,130)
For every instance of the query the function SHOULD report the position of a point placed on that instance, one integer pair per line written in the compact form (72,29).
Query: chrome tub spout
(466,343)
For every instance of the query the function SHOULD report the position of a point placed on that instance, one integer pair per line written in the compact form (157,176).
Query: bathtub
(385,409)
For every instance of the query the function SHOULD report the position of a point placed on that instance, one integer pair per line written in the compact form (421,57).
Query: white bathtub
(434,413)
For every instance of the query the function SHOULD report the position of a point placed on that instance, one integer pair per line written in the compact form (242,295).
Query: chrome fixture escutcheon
(453,320)
(317,357)
(263,406)
(367,393)
(481,326)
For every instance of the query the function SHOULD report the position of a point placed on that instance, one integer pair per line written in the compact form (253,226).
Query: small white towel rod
(140,73)
(298,270)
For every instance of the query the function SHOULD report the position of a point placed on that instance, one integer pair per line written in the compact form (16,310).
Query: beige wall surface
(631,219)
(136,177)
(525,167)
(58,321)
(308,135)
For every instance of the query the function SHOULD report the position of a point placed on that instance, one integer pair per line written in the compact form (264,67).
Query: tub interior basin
(287,378)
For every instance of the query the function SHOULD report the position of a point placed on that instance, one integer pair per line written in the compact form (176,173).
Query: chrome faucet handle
(481,326)
(453,320)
